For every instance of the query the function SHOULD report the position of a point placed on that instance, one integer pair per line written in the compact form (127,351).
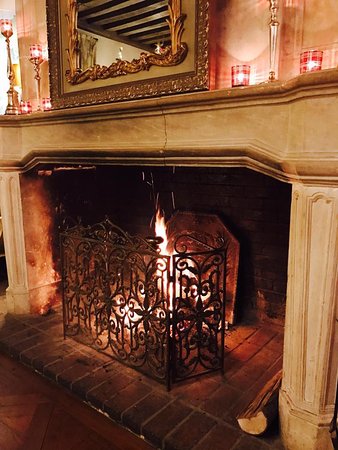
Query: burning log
(260,413)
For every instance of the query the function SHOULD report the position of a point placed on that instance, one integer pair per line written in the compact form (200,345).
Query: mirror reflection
(109,38)
(121,29)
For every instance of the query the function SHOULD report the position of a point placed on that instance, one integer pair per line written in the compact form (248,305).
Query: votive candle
(25,107)
(311,61)
(240,75)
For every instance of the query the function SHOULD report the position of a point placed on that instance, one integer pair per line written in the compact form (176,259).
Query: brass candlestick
(273,24)
(6,27)
(36,59)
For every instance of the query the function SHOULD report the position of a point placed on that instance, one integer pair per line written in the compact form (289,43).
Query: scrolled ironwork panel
(138,310)
(115,296)
(82,289)
(198,313)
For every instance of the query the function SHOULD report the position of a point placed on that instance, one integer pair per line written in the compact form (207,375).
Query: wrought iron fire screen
(162,315)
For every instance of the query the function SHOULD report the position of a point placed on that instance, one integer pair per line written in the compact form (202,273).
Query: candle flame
(311,65)
(240,77)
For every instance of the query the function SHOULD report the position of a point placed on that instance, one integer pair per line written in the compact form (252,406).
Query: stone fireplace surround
(285,130)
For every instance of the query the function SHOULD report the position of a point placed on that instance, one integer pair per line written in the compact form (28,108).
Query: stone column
(311,348)
(17,295)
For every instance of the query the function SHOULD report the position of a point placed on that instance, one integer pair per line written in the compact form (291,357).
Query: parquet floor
(38,415)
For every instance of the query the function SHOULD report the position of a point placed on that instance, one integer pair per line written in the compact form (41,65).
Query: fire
(161,231)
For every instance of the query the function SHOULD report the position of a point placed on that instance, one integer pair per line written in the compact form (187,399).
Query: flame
(161,231)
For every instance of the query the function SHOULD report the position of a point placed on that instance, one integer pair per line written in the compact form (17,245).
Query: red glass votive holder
(46,104)
(35,51)
(6,27)
(25,107)
(311,61)
(240,75)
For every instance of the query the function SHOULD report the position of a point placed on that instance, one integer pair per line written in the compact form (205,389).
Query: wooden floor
(38,415)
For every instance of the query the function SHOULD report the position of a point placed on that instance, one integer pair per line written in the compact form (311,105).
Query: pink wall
(239,34)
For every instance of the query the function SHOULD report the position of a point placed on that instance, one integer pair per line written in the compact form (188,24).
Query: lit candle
(25,107)
(159,48)
(46,104)
(240,75)
(311,61)
(6,27)
(35,51)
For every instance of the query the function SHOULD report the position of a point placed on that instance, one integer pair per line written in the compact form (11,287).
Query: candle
(25,107)
(159,48)
(6,27)
(35,51)
(240,75)
(311,61)
(46,104)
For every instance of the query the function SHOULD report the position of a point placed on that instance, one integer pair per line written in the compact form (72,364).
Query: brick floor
(221,437)
(142,411)
(196,414)
(189,432)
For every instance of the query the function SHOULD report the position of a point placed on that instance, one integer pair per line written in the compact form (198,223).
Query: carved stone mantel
(283,129)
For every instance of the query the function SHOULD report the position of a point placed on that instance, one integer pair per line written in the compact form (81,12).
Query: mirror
(109,50)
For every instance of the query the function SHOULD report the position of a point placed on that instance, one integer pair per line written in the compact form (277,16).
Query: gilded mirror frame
(181,67)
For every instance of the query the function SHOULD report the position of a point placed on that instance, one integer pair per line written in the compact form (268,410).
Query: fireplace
(252,207)
(250,204)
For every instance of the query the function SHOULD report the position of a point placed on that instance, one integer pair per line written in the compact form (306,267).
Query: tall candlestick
(6,28)
(36,59)
(273,24)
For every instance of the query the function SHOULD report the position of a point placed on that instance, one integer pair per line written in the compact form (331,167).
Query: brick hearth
(198,414)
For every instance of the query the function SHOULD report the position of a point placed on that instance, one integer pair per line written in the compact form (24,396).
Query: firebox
(158,304)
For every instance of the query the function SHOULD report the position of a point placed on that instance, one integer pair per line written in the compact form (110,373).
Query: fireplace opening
(254,207)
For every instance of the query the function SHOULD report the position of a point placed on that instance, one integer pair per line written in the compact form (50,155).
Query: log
(260,413)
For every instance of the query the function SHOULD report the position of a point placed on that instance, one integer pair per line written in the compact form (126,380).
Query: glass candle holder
(311,61)
(6,27)
(46,104)
(25,107)
(35,51)
(240,75)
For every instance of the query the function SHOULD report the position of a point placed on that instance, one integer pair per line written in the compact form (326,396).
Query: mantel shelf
(273,128)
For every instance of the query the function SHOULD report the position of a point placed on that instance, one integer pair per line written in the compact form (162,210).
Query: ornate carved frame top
(72,86)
